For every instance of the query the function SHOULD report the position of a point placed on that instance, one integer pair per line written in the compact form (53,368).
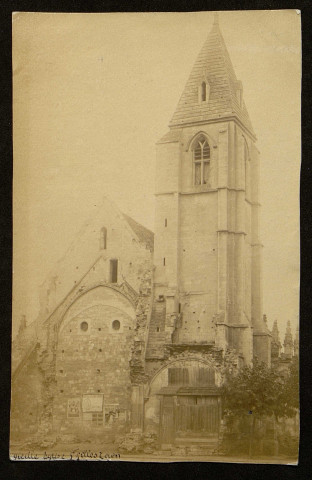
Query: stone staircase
(157,336)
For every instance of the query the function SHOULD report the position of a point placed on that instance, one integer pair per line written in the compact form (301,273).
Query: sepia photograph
(156,248)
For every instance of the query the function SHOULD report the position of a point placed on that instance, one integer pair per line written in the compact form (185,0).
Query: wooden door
(197,416)
(167,420)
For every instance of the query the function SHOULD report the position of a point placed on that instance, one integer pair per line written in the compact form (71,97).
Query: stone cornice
(231,231)
(228,118)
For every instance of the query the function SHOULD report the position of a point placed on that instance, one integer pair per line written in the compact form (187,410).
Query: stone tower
(207,281)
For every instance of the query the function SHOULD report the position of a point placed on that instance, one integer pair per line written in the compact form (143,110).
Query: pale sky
(92,95)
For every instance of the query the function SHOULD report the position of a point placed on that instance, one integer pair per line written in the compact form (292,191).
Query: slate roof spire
(225,98)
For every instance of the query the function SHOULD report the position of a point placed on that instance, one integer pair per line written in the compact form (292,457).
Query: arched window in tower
(201,159)
(103,239)
(203,92)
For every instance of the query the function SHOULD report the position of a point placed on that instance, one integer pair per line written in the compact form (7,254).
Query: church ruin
(136,329)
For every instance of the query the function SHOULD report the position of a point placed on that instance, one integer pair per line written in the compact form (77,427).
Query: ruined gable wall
(122,244)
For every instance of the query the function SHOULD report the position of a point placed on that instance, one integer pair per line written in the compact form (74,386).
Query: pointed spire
(213,68)
(276,344)
(265,324)
(288,333)
(275,331)
(288,341)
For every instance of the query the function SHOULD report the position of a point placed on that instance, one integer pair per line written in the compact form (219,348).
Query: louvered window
(178,376)
(201,157)
(205,376)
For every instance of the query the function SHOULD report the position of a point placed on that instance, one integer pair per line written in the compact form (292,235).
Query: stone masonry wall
(95,361)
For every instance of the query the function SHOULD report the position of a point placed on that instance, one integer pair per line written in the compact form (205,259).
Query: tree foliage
(261,391)
(288,399)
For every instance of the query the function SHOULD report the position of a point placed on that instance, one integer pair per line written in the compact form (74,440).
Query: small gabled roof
(144,234)
(213,65)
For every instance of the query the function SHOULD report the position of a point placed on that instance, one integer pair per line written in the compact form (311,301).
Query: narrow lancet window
(201,158)
(113,271)
(203,91)
(103,239)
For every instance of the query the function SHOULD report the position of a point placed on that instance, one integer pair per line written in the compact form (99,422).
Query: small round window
(84,326)
(116,325)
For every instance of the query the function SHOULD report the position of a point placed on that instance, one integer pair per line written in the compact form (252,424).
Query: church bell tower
(207,280)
